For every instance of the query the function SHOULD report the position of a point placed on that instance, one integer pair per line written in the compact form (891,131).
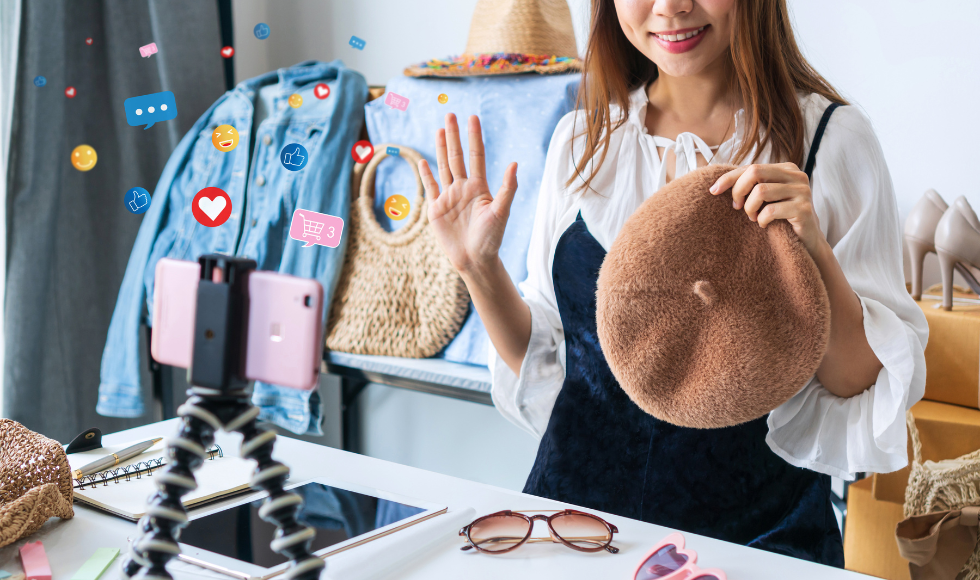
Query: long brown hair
(769,70)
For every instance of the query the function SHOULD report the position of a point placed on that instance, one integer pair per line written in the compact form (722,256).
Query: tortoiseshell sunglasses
(507,530)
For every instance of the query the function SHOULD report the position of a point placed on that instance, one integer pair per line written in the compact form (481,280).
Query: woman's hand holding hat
(771,192)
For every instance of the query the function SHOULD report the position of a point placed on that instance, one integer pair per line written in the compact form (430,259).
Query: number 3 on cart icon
(316,228)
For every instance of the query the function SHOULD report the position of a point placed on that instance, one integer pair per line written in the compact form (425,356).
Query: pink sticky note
(35,561)
(146,51)
(396,101)
(316,228)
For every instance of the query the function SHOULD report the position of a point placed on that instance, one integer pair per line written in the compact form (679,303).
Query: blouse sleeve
(856,206)
(527,400)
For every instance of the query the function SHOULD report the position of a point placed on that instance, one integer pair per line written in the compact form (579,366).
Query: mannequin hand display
(467,220)
(785,191)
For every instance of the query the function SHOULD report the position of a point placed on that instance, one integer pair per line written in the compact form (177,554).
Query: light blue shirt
(264,195)
(518,114)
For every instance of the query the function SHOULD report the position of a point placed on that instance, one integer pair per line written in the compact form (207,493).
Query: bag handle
(914,433)
(363,186)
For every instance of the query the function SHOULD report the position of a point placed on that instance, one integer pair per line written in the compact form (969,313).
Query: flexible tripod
(219,399)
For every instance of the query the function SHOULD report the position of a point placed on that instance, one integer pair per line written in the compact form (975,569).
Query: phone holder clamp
(219,398)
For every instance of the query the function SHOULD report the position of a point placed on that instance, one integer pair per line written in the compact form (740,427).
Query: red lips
(228,52)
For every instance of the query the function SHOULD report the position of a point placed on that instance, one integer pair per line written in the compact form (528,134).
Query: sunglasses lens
(664,561)
(582,531)
(498,533)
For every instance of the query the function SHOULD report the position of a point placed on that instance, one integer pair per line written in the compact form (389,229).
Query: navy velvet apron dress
(601,451)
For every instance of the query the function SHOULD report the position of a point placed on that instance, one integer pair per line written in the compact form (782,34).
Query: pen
(114,458)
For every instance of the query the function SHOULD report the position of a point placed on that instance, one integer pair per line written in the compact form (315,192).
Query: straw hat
(512,36)
(706,319)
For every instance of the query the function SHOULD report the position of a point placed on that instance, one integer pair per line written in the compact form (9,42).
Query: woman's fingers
(764,193)
(428,180)
(454,148)
(783,210)
(505,195)
(742,180)
(478,164)
(442,161)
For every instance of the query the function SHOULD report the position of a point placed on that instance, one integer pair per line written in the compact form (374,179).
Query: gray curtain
(68,232)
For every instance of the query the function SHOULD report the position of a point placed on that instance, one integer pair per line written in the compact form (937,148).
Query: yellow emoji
(295,101)
(443,99)
(224,138)
(396,207)
(83,157)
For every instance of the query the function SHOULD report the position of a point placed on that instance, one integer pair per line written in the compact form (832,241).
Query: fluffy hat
(706,319)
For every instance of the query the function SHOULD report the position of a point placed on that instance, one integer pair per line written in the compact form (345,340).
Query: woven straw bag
(35,481)
(398,294)
(936,486)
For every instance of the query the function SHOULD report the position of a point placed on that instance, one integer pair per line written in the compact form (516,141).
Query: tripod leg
(165,514)
(280,508)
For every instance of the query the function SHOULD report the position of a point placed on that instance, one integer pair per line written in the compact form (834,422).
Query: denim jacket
(263,196)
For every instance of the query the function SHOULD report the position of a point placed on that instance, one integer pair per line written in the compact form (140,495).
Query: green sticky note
(96,565)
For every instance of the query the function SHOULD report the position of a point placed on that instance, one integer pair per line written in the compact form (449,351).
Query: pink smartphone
(284,323)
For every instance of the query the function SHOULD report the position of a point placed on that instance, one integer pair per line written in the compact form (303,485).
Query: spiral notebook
(124,489)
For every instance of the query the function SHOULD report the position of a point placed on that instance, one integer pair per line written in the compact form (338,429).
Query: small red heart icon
(321,91)
(88,41)
(70,92)
(228,52)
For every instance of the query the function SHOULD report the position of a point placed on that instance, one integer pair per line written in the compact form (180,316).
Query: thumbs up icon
(293,156)
(138,200)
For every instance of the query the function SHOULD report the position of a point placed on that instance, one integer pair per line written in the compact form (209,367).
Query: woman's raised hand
(467,220)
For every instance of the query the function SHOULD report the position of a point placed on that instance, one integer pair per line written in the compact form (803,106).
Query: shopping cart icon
(310,224)
(311,228)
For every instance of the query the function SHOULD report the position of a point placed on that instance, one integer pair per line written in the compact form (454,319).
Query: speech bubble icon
(316,228)
(149,49)
(357,43)
(150,109)
(396,101)
(393,150)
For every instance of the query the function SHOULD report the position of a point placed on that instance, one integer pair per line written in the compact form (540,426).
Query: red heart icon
(70,92)
(362,151)
(321,91)
(228,52)
(88,41)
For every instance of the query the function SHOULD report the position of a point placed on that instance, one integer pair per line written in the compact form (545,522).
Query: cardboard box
(952,353)
(869,534)
(946,432)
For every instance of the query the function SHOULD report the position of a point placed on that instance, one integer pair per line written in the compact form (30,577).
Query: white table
(69,543)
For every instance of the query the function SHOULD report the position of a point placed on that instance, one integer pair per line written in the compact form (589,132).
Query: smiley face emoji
(224,138)
(83,157)
(397,207)
(295,101)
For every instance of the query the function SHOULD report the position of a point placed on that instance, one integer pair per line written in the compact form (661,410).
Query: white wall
(915,70)
(912,67)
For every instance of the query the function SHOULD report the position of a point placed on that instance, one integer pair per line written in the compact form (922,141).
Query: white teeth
(677,37)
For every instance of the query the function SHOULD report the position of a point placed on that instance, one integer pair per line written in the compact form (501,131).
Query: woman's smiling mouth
(678,41)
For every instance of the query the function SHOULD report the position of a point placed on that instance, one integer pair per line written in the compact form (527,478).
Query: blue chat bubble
(150,109)
(262,31)
(40,81)
(357,43)
(393,150)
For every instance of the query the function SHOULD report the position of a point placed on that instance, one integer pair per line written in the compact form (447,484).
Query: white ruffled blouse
(855,203)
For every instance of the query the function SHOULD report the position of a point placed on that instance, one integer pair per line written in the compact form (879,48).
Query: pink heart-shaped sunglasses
(668,560)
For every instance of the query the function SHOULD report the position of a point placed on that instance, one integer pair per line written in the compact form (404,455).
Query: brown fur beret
(706,319)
